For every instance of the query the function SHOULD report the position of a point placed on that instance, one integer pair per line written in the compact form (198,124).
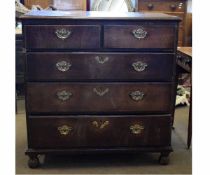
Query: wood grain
(121,36)
(117,133)
(42,97)
(82,36)
(86,67)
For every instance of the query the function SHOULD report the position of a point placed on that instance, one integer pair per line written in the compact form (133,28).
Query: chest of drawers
(96,82)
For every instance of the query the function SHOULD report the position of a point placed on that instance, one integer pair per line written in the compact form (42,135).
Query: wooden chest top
(45,14)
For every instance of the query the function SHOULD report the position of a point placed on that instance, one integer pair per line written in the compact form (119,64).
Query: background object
(70,4)
(58,4)
(42,3)
(112,5)
(179,8)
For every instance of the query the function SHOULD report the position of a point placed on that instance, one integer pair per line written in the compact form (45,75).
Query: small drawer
(162,5)
(93,131)
(62,36)
(143,36)
(98,97)
(99,66)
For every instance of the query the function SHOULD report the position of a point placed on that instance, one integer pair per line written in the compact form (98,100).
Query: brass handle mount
(63,66)
(136,128)
(64,130)
(139,33)
(101,60)
(102,125)
(137,95)
(100,92)
(63,33)
(139,66)
(64,95)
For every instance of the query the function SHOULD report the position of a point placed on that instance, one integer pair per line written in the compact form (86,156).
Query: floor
(180,159)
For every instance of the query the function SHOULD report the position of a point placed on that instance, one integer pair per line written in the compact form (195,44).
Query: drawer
(62,36)
(148,36)
(98,97)
(162,5)
(99,66)
(95,131)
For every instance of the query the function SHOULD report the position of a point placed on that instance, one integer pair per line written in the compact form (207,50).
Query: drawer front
(62,37)
(139,36)
(94,131)
(101,66)
(162,5)
(98,97)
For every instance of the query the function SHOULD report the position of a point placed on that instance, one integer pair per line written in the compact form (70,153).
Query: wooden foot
(33,162)
(164,159)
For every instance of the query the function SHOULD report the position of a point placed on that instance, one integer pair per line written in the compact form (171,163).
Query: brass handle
(63,66)
(64,95)
(137,95)
(97,125)
(139,66)
(100,92)
(64,130)
(139,33)
(173,6)
(101,60)
(63,33)
(136,128)
(150,6)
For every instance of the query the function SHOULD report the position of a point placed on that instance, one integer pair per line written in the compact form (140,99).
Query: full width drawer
(162,5)
(147,36)
(99,66)
(62,36)
(98,97)
(94,131)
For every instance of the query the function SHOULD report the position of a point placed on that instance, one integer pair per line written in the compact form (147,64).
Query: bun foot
(164,159)
(33,162)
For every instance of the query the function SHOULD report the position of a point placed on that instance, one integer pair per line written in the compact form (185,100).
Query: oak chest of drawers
(99,83)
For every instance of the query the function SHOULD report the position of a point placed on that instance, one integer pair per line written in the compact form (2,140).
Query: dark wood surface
(99,66)
(44,131)
(121,36)
(105,91)
(42,97)
(90,15)
(44,36)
